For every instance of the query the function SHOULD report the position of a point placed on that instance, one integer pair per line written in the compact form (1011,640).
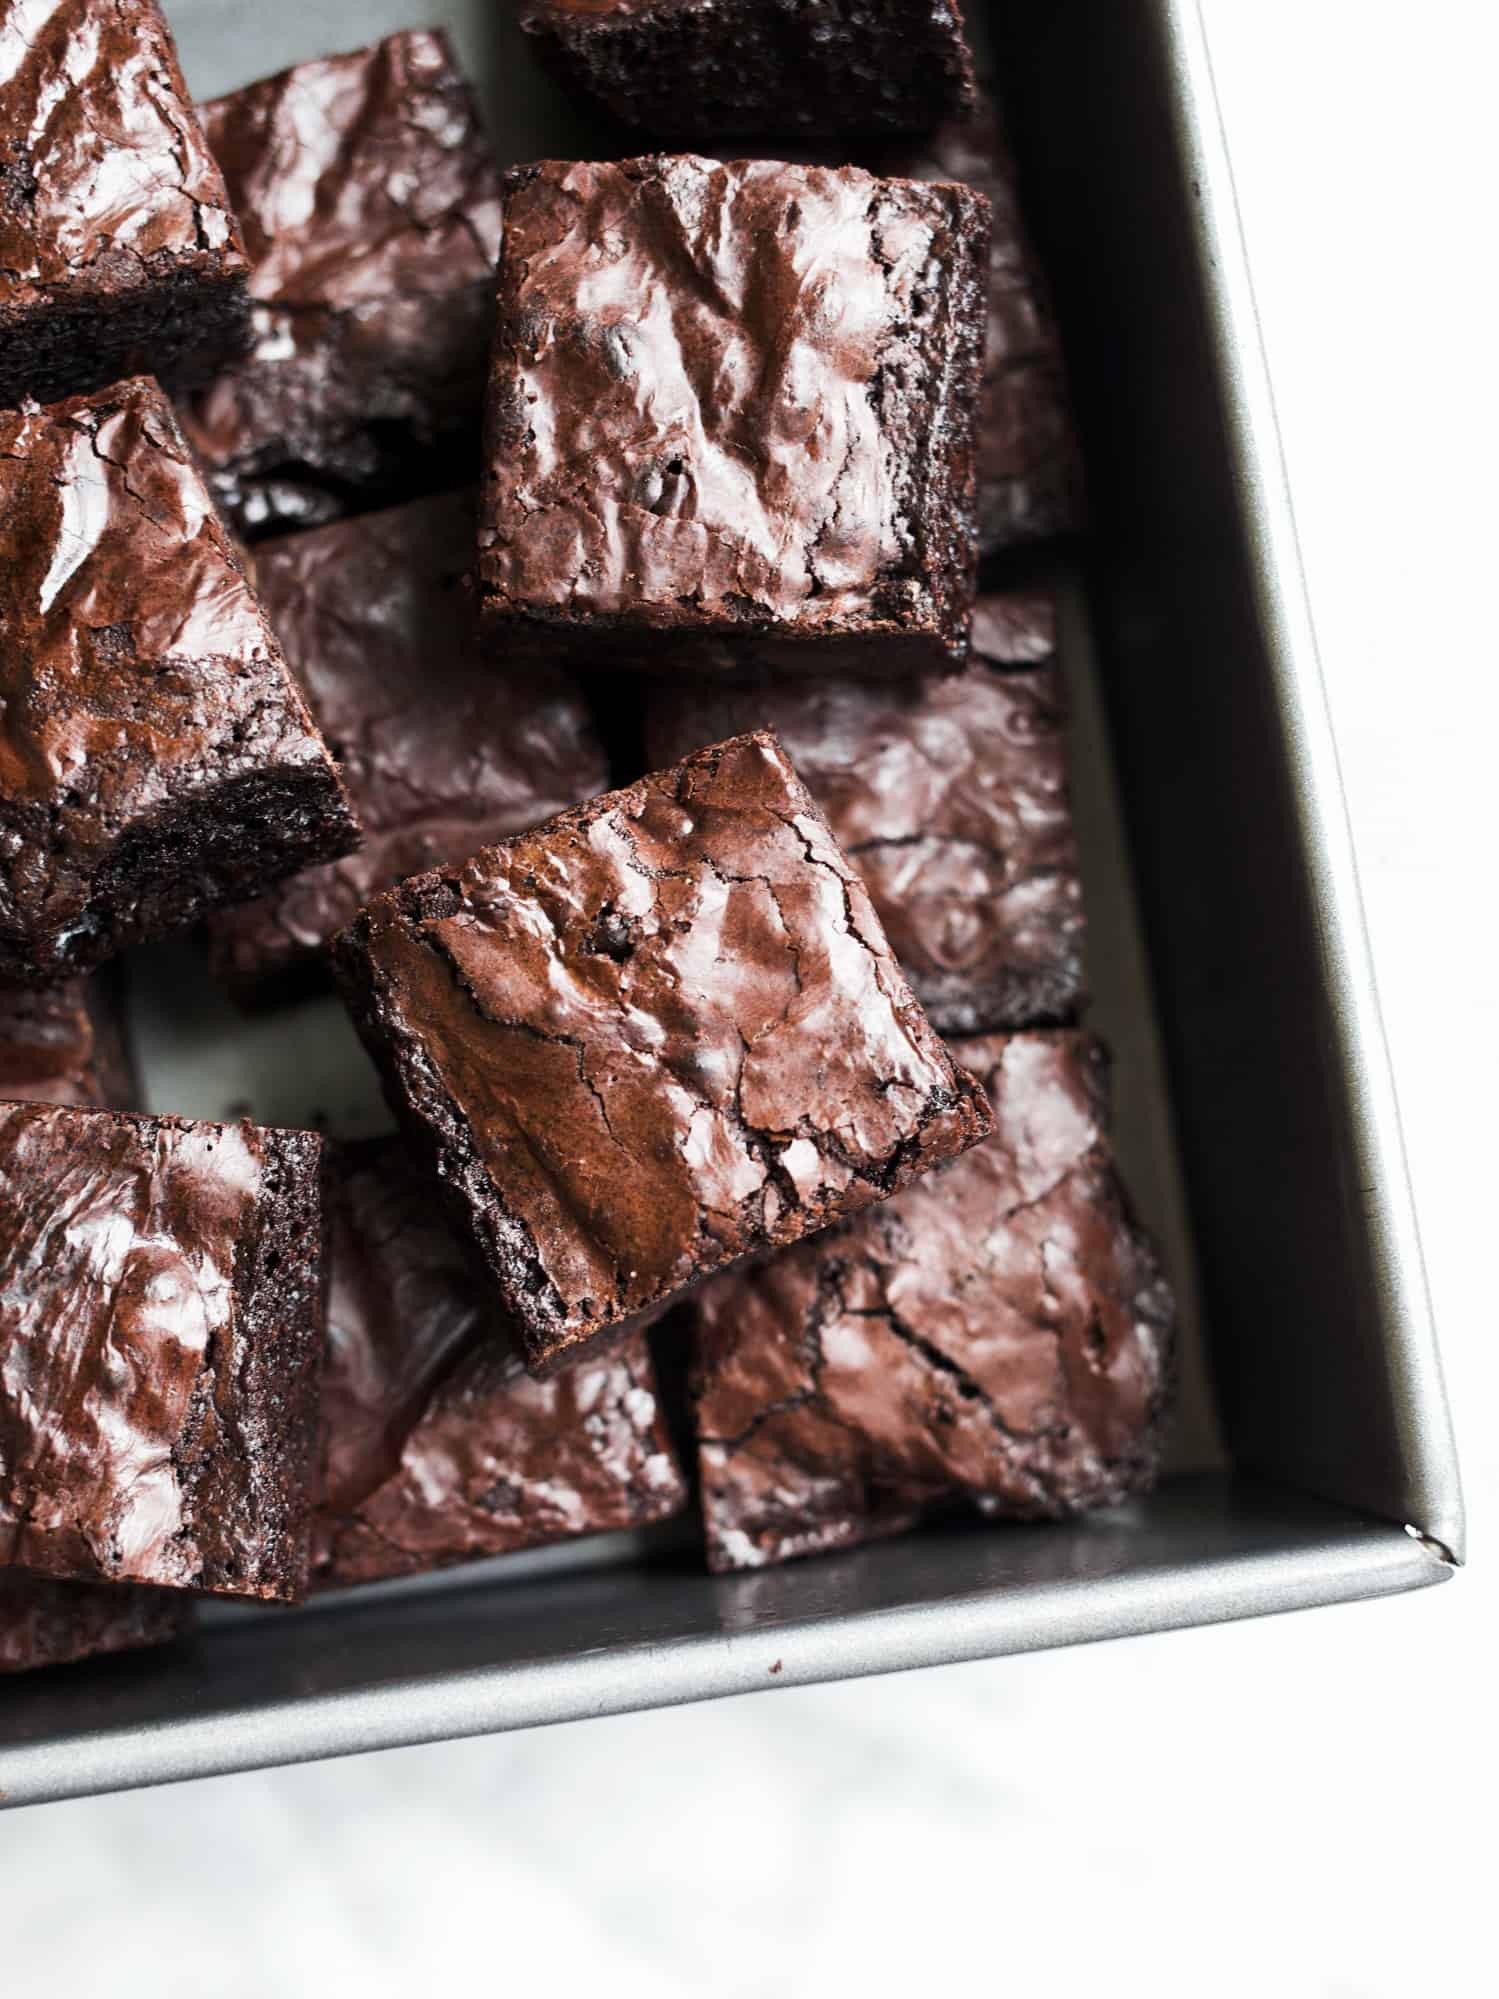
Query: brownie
(949,795)
(162,1322)
(439,1447)
(999,1335)
(155,759)
(731,417)
(370,205)
(66,1045)
(47,1623)
(118,250)
(660,1032)
(696,69)
(441,751)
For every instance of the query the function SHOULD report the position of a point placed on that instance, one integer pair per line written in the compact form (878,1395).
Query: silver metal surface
(1309,1267)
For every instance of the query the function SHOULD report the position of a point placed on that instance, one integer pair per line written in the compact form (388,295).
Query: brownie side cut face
(949,795)
(438,1446)
(155,760)
(370,205)
(699,69)
(731,417)
(999,1334)
(118,250)
(46,1623)
(660,1032)
(441,750)
(162,1322)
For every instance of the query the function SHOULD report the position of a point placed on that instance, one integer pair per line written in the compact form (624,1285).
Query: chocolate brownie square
(731,417)
(155,760)
(657,1033)
(438,1446)
(118,250)
(66,1045)
(999,1334)
(47,1623)
(162,1322)
(698,69)
(370,205)
(441,750)
(949,795)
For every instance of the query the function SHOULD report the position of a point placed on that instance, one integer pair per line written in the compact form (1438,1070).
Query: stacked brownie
(344,655)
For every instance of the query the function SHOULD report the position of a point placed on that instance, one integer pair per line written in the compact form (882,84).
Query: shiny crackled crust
(686,69)
(118,246)
(162,1325)
(155,758)
(438,1447)
(370,205)
(437,761)
(731,416)
(949,795)
(660,1032)
(1000,1333)
(47,1623)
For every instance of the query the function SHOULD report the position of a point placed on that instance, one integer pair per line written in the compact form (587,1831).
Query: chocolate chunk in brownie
(118,250)
(731,417)
(370,205)
(155,759)
(659,1032)
(439,1447)
(696,69)
(999,1334)
(441,750)
(162,1322)
(47,1623)
(949,795)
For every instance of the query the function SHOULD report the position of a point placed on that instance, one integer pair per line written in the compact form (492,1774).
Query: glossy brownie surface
(731,416)
(154,756)
(162,1325)
(659,1032)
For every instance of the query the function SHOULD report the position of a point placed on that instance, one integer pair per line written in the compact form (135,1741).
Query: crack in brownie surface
(999,1333)
(653,1035)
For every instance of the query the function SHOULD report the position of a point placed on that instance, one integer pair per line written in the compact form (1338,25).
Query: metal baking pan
(1319,1466)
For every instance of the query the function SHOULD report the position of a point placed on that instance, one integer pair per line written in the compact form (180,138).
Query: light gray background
(1299,1806)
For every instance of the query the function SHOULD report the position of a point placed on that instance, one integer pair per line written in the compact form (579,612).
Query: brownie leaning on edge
(118,249)
(370,204)
(162,1321)
(660,1032)
(999,1335)
(745,436)
(441,750)
(438,1447)
(155,760)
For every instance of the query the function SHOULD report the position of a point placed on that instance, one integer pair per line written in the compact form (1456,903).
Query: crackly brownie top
(136,665)
(360,177)
(950,797)
(441,751)
(119,1239)
(103,168)
(438,1447)
(716,390)
(1001,1329)
(671,1026)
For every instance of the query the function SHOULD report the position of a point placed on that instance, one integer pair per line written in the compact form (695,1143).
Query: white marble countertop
(1302,1805)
